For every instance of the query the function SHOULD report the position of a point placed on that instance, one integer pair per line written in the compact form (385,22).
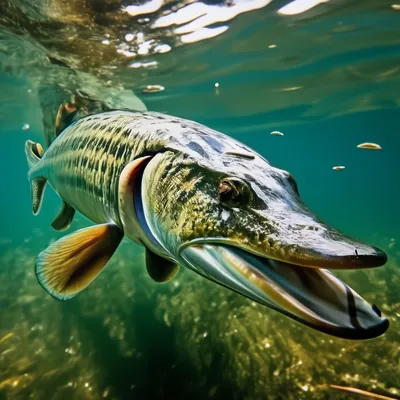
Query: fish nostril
(356,252)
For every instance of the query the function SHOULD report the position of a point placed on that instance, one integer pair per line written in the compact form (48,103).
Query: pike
(197,198)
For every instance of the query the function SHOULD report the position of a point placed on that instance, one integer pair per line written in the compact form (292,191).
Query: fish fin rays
(160,269)
(70,264)
(64,218)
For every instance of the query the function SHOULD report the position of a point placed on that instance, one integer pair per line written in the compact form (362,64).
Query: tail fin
(34,152)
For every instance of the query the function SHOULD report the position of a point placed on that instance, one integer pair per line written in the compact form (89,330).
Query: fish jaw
(268,247)
(312,296)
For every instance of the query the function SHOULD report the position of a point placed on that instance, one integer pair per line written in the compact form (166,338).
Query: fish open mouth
(312,296)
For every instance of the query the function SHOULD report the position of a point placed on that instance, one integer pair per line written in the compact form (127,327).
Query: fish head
(241,223)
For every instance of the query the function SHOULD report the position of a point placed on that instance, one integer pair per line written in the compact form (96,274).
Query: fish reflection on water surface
(195,197)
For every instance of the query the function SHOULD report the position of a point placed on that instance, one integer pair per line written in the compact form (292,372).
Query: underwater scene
(251,254)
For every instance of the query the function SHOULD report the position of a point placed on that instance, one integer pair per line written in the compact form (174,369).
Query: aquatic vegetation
(50,350)
(259,352)
(127,335)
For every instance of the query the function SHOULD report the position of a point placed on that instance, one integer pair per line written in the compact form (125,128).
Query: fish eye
(234,190)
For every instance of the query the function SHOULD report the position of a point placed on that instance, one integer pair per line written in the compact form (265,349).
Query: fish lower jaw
(312,296)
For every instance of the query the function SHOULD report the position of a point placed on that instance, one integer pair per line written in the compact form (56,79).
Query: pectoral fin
(160,269)
(69,265)
(64,218)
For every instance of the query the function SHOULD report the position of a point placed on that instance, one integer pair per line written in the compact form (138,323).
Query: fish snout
(301,238)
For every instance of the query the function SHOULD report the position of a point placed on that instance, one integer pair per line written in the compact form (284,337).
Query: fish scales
(84,163)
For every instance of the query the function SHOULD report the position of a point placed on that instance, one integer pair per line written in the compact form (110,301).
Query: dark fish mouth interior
(312,296)
(300,282)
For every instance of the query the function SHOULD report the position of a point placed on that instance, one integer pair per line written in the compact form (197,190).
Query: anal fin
(64,218)
(160,269)
(69,265)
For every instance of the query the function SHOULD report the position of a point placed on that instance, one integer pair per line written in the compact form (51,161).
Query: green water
(331,83)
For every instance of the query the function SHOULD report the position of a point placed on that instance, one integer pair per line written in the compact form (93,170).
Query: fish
(153,89)
(338,167)
(276,133)
(196,198)
(369,146)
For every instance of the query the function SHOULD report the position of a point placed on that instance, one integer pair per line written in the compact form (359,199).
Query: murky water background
(327,77)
